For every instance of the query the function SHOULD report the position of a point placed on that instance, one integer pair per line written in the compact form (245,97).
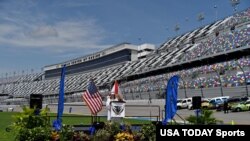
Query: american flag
(92,98)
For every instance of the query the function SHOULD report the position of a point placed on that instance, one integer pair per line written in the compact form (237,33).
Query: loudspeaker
(36,100)
(196,101)
(98,125)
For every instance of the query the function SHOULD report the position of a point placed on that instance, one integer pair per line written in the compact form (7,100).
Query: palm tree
(206,118)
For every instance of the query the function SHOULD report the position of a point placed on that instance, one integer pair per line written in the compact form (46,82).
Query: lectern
(117,110)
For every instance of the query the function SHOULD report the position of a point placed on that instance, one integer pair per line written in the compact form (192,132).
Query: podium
(117,110)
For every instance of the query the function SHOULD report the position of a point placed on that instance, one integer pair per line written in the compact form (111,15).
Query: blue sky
(35,33)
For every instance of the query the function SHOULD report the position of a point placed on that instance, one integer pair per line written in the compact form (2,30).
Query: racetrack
(143,108)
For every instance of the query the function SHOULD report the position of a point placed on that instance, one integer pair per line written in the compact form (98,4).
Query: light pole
(245,78)
(216,12)
(177,28)
(195,75)
(184,85)
(201,87)
(139,54)
(234,4)
(219,81)
(200,17)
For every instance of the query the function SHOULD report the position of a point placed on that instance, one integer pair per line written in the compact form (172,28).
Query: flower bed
(29,126)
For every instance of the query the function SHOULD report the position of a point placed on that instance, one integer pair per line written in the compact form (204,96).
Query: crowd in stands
(206,76)
(236,19)
(223,42)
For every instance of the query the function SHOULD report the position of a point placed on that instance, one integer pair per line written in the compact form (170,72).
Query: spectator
(225,107)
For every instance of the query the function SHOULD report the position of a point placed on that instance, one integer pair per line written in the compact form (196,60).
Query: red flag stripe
(93,105)
(92,98)
(89,103)
(95,99)
(99,98)
(98,105)
(94,102)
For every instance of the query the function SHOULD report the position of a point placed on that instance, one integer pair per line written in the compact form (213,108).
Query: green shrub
(206,118)
(28,126)
(149,132)
(138,136)
(102,135)
(66,133)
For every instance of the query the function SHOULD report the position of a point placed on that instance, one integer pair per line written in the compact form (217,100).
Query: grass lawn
(5,120)
(7,117)
(71,119)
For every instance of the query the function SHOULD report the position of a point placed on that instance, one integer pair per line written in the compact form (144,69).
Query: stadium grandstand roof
(92,56)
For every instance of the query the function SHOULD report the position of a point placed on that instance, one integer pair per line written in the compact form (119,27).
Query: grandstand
(211,60)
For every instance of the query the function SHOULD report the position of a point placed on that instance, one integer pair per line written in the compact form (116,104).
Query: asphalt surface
(145,109)
(152,110)
(230,118)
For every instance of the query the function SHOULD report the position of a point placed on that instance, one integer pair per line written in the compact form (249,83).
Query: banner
(61,94)
(117,109)
(57,124)
(171,98)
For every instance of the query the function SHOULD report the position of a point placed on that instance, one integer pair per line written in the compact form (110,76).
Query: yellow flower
(124,136)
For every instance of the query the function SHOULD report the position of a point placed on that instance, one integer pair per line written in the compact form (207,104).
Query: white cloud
(43,31)
(73,4)
(60,36)
(21,28)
